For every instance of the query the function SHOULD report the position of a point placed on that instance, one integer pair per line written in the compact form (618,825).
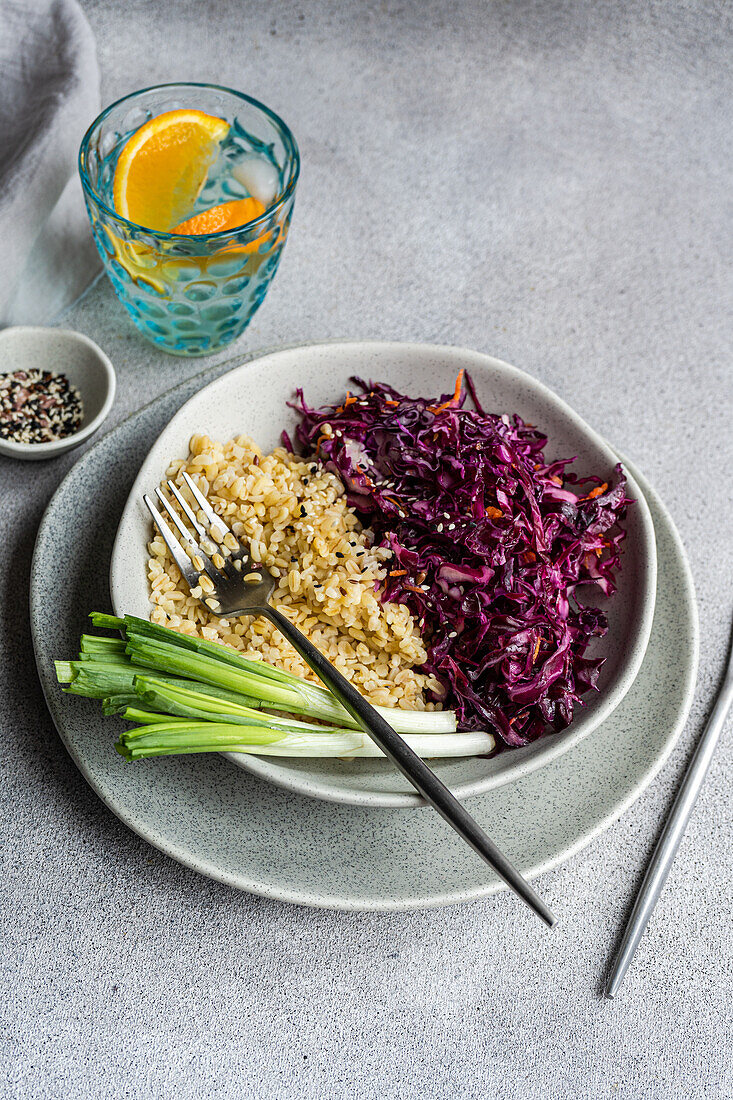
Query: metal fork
(239,587)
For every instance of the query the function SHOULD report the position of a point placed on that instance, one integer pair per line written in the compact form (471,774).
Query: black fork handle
(423,779)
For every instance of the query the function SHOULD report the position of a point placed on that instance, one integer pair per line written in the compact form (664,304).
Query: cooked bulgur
(294,515)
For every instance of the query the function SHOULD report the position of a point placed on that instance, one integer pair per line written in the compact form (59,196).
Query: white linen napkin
(49,94)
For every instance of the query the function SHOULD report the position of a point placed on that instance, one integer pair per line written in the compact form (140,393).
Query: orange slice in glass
(230,215)
(164,165)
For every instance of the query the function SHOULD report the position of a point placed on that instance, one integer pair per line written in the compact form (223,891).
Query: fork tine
(240,554)
(180,556)
(214,520)
(182,529)
(200,531)
(197,550)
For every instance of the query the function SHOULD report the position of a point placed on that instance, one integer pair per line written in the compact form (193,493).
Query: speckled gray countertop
(544,182)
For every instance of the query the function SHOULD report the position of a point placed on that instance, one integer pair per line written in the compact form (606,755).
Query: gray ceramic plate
(240,830)
(253,398)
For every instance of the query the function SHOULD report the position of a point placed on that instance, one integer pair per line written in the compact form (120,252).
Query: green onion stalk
(189,695)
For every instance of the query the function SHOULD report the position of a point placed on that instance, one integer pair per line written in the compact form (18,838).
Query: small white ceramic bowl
(84,364)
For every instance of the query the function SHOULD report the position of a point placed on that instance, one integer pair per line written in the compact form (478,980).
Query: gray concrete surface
(542,181)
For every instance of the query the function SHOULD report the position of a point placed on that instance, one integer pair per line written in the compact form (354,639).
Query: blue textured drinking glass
(191,295)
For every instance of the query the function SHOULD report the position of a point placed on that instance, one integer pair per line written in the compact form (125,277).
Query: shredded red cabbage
(490,542)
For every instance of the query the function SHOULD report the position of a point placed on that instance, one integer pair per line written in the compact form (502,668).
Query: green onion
(188,695)
(156,740)
(319,701)
(104,647)
(166,738)
(170,698)
(96,679)
(115,704)
(107,622)
(164,657)
(110,680)
(297,696)
(154,632)
(347,743)
(148,717)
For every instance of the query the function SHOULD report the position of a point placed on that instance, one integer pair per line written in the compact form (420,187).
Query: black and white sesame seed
(38,406)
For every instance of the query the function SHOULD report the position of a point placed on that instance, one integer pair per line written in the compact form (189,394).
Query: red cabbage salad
(490,541)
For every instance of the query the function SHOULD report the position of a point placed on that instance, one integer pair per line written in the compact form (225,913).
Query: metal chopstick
(668,843)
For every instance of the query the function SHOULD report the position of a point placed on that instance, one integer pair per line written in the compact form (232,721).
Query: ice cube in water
(260,177)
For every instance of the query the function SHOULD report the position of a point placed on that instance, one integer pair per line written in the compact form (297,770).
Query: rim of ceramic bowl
(256,223)
(20,450)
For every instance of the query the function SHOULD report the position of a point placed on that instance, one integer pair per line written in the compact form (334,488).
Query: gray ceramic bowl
(253,398)
(84,364)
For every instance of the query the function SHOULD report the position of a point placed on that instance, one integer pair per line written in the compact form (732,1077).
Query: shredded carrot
(414,588)
(528,556)
(459,385)
(454,399)
(596,492)
(392,404)
(556,480)
(365,475)
(397,573)
(536,650)
(494,513)
(348,400)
